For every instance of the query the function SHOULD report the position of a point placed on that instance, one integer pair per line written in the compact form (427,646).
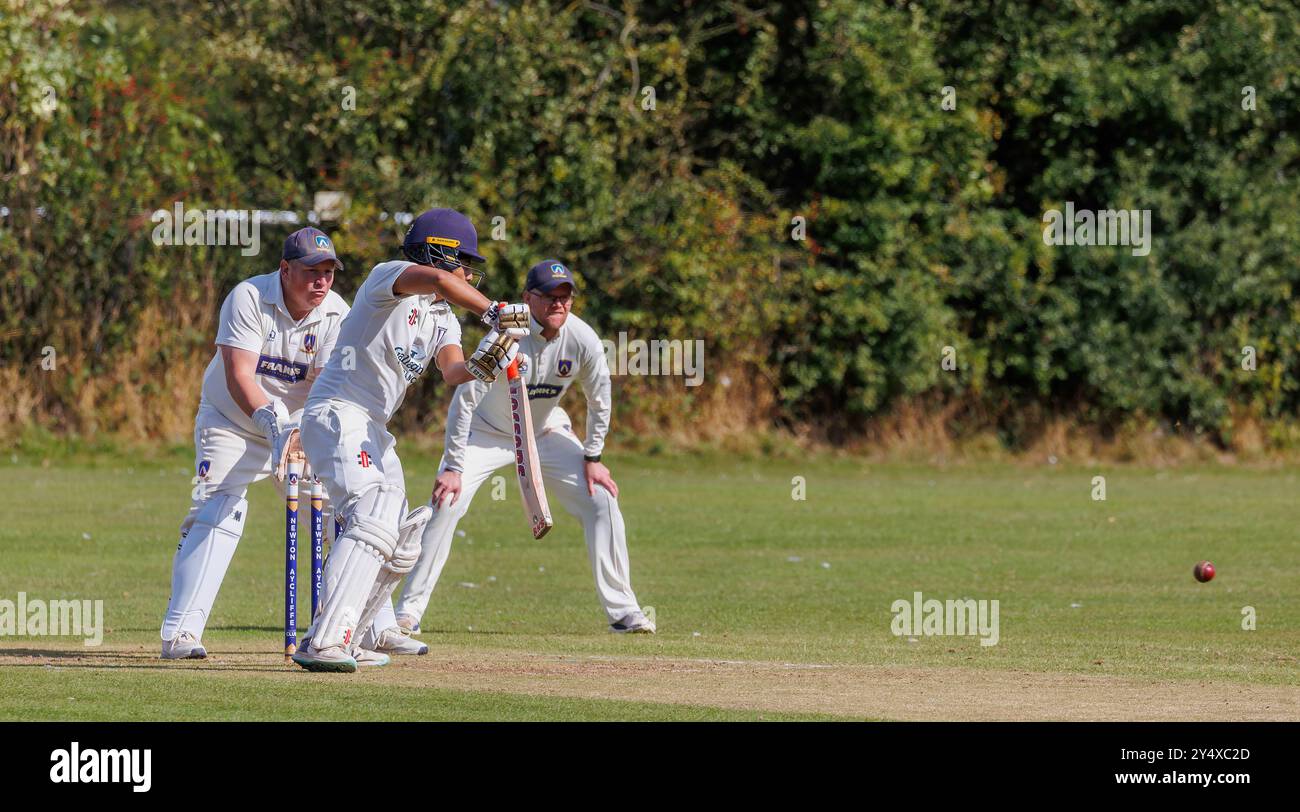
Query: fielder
(400,323)
(559,349)
(276,332)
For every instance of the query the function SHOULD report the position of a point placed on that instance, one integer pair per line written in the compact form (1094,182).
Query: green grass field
(768,607)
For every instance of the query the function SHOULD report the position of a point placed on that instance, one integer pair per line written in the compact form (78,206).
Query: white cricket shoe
(183,646)
(408,624)
(633,623)
(392,641)
(367,658)
(332,659)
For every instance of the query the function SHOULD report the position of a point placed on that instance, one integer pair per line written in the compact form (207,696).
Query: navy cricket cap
(310,246)
(548,275)
(444,227)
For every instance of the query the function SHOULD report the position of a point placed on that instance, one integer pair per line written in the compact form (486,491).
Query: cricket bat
(527,466)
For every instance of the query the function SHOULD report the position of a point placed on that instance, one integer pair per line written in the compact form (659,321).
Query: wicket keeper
(276,332)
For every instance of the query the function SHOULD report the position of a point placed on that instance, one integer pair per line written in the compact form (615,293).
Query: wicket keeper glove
(281,432)
(493,355)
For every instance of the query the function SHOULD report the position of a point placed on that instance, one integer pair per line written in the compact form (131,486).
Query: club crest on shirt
(564,367)
(309,343)
(523,363)
(204,467)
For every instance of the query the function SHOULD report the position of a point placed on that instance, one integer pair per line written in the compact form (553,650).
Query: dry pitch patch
(849,691)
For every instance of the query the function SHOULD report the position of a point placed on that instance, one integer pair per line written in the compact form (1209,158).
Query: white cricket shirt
(548,368)
(385,344)
(254,318)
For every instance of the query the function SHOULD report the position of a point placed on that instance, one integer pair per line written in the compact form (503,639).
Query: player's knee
(222,513)
(409,540)
(375,517)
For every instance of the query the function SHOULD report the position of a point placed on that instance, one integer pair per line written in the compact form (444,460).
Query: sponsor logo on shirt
(544,390)
(409,363)
(281,368)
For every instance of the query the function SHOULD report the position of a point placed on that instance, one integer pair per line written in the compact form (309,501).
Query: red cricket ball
(1203,571)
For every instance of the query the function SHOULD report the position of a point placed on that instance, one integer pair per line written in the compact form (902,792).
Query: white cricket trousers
(564,477)
(227,459)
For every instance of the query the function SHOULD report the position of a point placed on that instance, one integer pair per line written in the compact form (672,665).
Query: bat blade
(528,467)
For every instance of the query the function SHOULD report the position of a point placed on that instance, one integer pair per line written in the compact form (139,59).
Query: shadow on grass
(268,629)
(108,660)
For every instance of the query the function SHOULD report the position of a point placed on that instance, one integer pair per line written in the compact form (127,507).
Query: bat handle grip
(512,371)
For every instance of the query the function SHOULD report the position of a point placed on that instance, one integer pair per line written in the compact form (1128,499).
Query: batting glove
(493,355)
(502,316)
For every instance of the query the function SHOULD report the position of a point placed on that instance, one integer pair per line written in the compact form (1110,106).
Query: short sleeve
(449,336)
(330,338)
(378,288)
(241,319)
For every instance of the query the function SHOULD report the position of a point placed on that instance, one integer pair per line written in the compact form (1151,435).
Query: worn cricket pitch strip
(787,689)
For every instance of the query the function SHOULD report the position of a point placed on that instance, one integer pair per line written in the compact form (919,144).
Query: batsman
(400,324)
(560,348)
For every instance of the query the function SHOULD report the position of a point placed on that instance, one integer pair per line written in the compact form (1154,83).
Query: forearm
(424,280)
(242,383)
(456,438)
(457,373)
(461,293)
(248,396)
(598,412)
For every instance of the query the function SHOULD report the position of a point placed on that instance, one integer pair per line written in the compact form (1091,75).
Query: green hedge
(923,224)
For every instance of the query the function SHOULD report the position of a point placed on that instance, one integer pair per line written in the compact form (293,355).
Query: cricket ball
(1203,571)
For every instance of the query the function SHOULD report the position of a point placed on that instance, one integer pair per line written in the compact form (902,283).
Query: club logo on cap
(558,270)
(323,242)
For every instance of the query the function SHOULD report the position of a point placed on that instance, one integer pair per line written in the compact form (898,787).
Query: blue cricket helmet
(444,238)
